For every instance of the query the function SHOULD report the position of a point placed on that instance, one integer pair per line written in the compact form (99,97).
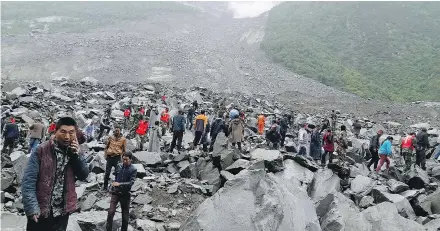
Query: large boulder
(397,186)
(95,220)
(362,185)
(324,182)
(293,170)
(150,159)
(8,178)
(433,225)
(265,202)
(272,159)
(12,222)
(334,211)
(207,172)
(19,166)
(303,161)
(382,217)
(416,178)
(238,165)
(402,204)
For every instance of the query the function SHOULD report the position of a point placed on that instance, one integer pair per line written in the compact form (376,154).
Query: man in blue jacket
(178,127)
(125,176)
(385,151)
(11,134)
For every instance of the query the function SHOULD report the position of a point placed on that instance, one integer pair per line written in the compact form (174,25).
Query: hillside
(385,50)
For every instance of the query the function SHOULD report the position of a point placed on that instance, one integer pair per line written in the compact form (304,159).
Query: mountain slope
(374,49)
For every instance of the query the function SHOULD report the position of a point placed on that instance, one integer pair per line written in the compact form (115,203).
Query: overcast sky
(250,9)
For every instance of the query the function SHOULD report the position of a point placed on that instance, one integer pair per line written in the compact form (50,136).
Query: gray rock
(303,161)
(266,202)
(226,176)
(173,188)
(103,204)
(72,224)
(19,91)
(12,222)
(143,199)
(89,202)
(95,220)
(291,147)
(141,172)
(172,226)
(207,171)
(416,178)
(421,206)
(150,159)
(382,217)
(8,178)
(19,166)
(402,204)
(361,185)
(146,225)
(410,194)
(397,186)
(273,160)
(359,169)
(324,182)
(237,166)
(335,210)
(435,172)
(293,170)
(366,202)
(422,220)
(433,225)
(61,97)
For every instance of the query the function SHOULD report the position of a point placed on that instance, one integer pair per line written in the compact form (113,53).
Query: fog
(250,9)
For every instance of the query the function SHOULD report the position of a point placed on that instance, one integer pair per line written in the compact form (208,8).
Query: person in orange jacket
(141,132)
(165,120)
(260,123)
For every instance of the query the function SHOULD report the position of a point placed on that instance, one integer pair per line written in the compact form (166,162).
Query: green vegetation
(79,16)
(374,49)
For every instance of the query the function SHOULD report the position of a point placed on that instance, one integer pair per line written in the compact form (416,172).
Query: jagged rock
(291,147)
(362,185)
(381,217)
(8,178)
(140,170)
(89,202)
(19,91)
(173,188)
(72,224)
(13,222)
(237,166)
(207,171)
(103,204)
(410,194)
(334,211)
(359,169)
(284,205)
(226,158)
(171,168)
(422,220)
(433,225)
(293,170)
(366,202)
(435,172)
(416,178)
(146,225)
(225,176)
(403,206)
(303,161)
(95,220)
(150,159)
(19,166)
(324,182)
(143,199)
(396,174)
(421,206)
(186,169)
(397,186)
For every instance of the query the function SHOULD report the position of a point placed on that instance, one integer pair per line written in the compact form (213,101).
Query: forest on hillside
(387,50)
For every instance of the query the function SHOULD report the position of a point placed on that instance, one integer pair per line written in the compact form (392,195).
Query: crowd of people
(48,186)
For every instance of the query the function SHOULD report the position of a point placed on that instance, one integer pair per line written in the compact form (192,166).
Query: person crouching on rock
(48,186)
(385,151)
(125,175)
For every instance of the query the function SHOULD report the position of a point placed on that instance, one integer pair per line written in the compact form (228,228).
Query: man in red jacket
(329,147)
(141,132)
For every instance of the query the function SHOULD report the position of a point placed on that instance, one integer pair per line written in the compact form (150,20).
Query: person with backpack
(178,128)
(422,146)
(385,151)
(11,134)
(217,126)
(374,148)
(329,147)
(273,135)
(407,147)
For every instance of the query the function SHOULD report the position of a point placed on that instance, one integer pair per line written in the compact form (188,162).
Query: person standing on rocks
(36,134)
(48,185)
(357,128)
(261,120)
(51,129)
(127,113)
(236,131)
(154,113)
(141,132)
(283,130)
(342,143)
(374,148)
(165,121)
(334,118)
(125,176)
(195,105)
(178,128)
(105,125)
(303,141)
(422,146)
(329,147)
(407,147)
(315,144)
(154,135)
(10,135)
(190,117)
(116,146)
(273,135)
(90,131)
(217,126)
(325,125)
(385,151)
(199,125)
